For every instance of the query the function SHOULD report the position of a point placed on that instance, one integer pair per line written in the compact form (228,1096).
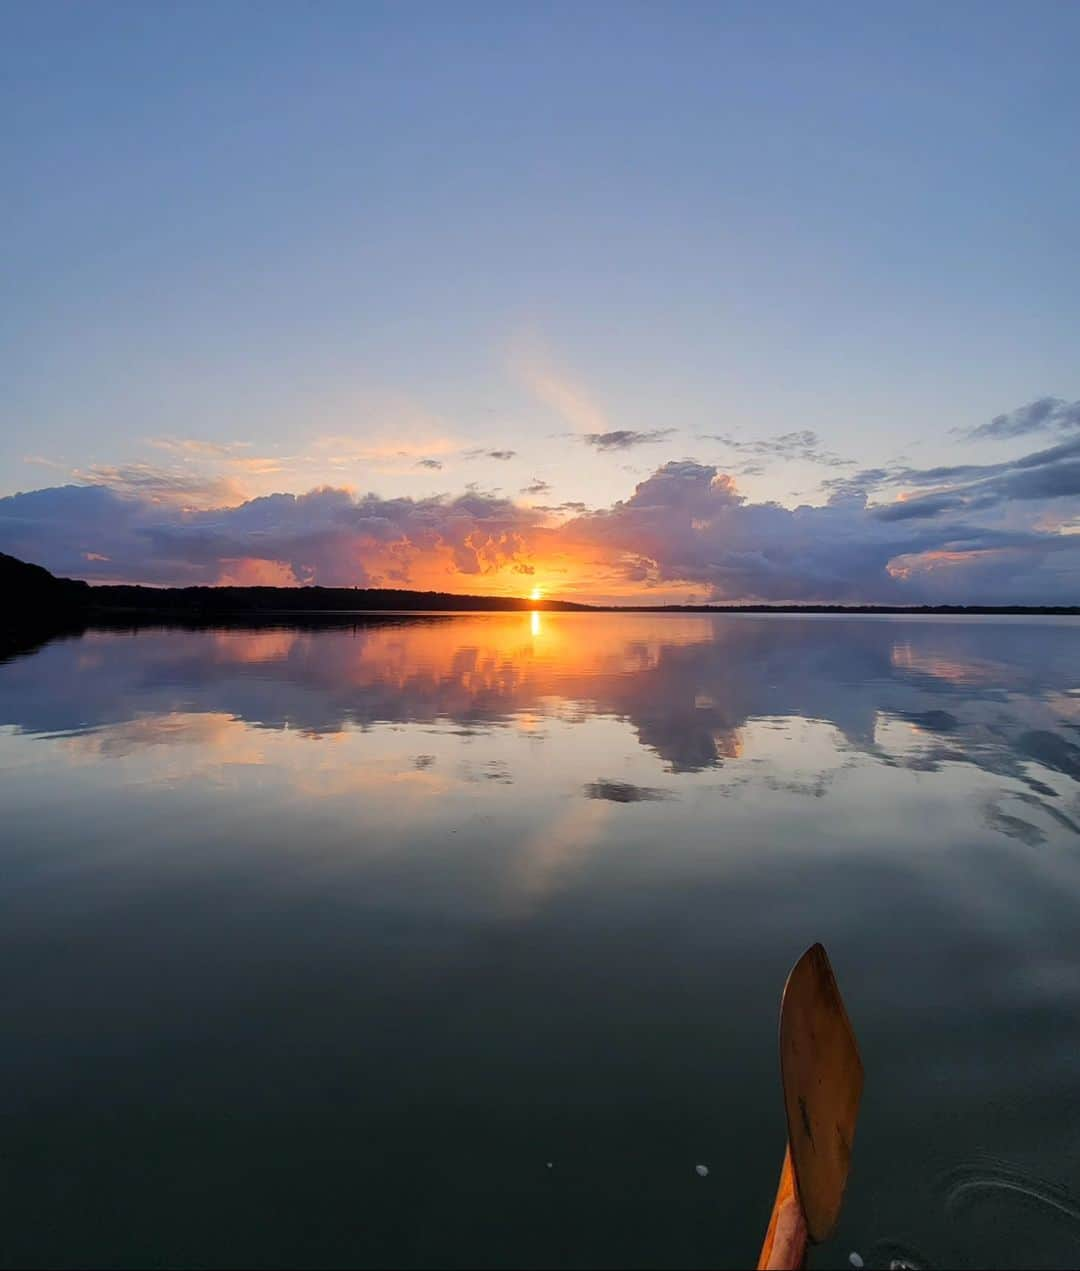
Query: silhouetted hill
(36,606)
(35,589)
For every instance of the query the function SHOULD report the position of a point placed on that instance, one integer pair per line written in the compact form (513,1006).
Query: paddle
(822,1077)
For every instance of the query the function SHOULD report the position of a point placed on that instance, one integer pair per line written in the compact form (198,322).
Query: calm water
(318,946)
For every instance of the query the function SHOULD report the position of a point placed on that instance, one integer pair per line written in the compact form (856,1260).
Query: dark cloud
(433,464)
(858,485)
(481,453)
(867,480)
(536,487)
(1053,473)
(625,438)
(804,444)
(1058,482)
(973,471)
(971,486)
(916,509)
(1046,414)
(571,505)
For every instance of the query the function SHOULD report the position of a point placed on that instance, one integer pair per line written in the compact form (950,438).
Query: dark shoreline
(39,602)
(474,604)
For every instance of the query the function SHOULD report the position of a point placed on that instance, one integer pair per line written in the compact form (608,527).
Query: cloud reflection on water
(917,694)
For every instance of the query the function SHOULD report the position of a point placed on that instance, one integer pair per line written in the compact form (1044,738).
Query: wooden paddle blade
(823,1079)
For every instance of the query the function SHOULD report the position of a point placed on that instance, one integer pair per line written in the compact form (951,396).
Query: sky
(608,301)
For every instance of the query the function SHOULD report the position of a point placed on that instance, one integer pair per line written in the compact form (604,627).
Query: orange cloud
(251,572)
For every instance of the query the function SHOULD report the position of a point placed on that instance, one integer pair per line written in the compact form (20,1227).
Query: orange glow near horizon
(569,575)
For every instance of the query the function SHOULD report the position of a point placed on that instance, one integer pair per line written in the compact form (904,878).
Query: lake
(459,941)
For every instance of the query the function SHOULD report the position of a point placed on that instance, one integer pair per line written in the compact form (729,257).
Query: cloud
(915,509)
(869,480)
(327,536)
(1045,414)
(479,452)
(624,438)
(178,486)
(975,533)
(571,505)
(687,522)
(804,444)
(1058,482)
(857,486)
(1053,473)
(433,464)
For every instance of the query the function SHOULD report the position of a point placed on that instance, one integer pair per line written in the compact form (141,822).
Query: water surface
(458,941)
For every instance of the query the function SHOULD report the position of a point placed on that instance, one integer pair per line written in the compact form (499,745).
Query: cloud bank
(326,536)
(688,522)
(1003,532)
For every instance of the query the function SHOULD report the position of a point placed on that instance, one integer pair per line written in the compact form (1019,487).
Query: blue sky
(325,243)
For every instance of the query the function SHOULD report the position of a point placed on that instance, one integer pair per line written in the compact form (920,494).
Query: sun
(537,593)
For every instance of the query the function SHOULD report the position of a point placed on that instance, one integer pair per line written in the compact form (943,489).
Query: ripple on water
(987,1197)
(979,1200)
(986,1182)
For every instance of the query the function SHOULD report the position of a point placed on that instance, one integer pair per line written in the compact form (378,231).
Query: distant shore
(34,596)
(418,603)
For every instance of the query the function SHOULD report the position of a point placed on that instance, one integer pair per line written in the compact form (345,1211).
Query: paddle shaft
(785,1240)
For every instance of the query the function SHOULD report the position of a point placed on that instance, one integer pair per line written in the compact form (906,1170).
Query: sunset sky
(609,301)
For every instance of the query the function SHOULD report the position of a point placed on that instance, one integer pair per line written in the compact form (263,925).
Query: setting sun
(537,593)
